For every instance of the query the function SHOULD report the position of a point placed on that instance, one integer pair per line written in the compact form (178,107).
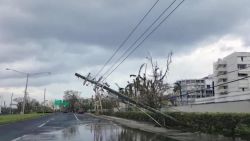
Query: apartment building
(192,89)
(230,68)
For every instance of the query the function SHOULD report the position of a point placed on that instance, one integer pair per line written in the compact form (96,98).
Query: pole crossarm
(123,97)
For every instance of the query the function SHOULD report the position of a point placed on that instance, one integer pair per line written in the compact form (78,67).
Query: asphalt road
(44,124)
(84,127)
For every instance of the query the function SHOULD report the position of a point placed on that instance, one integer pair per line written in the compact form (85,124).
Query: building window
(224,87)
(242,66)
(208,86)
(209,92)
(242,75)
(241,58)
(243,89)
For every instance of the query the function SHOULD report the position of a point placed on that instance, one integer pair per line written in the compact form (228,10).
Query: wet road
(73,127)
(51,122)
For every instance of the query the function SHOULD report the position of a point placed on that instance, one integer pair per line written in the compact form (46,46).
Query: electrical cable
(143,40)
(134,43)
(126,39)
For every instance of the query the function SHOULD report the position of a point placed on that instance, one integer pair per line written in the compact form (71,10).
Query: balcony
(222,88)
(221,68)
(247,70)
(222,92)
(243,83)
(220,82)
(221,65)
(221,76)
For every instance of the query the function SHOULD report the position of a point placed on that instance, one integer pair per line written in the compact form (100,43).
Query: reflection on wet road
(94,132)
(69,127)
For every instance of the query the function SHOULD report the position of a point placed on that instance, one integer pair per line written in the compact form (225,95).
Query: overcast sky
(64,37)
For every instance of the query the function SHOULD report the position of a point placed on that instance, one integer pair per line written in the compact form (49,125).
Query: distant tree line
(31,106)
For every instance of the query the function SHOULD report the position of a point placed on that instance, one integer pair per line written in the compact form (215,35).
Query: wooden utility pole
(123,97)
(11,103)
(44,93)
(0,104)
(98,100)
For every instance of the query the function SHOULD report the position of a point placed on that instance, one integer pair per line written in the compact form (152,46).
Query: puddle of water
(94,132)
(108,131)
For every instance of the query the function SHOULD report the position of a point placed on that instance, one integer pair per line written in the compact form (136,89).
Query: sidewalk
(170,133)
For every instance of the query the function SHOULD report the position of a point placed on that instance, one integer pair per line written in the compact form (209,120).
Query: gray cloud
(68,36)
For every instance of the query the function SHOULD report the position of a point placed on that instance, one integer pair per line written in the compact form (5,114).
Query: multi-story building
(191,89)
(231,68)
(231,84)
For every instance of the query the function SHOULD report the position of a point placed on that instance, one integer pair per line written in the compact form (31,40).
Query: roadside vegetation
(5,119)
(228,124)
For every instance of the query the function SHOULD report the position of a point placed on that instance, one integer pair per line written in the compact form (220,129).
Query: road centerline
(44,123)
(76,117)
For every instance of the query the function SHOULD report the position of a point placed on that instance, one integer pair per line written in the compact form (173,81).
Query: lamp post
(26,85)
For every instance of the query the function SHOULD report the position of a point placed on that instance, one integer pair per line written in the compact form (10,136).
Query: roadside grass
(5,119)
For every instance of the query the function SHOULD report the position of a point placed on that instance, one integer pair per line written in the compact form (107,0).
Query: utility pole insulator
(125,98)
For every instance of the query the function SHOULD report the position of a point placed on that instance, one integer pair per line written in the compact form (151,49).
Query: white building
(231,87)
(227,72)
(192,89)
(232,67)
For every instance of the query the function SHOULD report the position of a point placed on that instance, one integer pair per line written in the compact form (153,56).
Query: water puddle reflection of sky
(94,132)
(109,131)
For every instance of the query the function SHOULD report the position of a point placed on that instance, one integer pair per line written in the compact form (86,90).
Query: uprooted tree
(148,88)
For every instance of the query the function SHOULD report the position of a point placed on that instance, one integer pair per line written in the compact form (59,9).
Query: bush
(229,124)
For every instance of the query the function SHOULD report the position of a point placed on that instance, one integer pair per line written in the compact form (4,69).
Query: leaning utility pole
(98,101)
(123,97)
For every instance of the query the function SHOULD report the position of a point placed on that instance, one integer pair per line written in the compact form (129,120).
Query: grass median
(5,119)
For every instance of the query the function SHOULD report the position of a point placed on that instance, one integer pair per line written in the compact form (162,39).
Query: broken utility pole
(123,97)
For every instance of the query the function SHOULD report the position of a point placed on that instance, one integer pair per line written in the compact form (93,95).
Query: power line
(232,71)
(149,27)
(190,92)
(229,81)
(126,39)
(218,93)
(224,73)
(144,39)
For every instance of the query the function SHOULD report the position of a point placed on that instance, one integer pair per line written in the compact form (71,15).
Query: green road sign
(61,103)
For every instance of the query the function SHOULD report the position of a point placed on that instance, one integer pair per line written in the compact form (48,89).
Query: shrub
(229,124)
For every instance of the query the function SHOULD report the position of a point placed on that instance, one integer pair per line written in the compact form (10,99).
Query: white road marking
(43,124)
(76,117)
(19,138)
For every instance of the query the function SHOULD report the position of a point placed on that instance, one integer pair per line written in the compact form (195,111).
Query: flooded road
(72,127)
(94,132)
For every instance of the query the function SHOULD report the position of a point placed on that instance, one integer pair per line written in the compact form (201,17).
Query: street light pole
(0,104)
(11,103)
(25,93)
(44,100)
(26,85)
